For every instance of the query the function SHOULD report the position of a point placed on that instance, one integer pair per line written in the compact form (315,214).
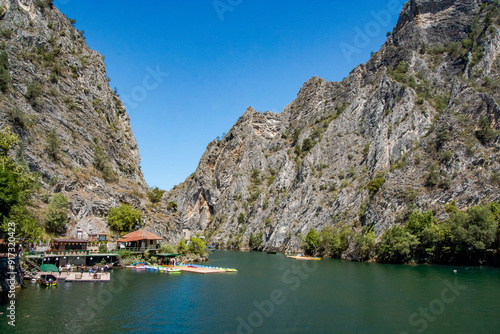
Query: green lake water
(269,294)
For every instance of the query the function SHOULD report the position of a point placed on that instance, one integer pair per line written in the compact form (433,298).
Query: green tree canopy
(197,246)
(16,187)
(57,214)
(123,218)
(311,242)
(397,245)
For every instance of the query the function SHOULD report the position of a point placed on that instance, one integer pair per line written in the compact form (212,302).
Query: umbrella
(49,267)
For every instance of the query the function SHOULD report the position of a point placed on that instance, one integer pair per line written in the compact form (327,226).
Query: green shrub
(19,118)
(466,43)
(495,178)
(365,245)
(100,158)
(446,156)
(433,175)
(4,71)
(397,245)
(197,246)
(155,195)
(181,247)
(472,231)
(333,241)
(125,254)
(311,242)
(172,206)
(52,144)
(442,136)
(485,133)
(375,184)
(167,248)
(109,175)
(241,218)
(307,144)
(33,90)
(255,242)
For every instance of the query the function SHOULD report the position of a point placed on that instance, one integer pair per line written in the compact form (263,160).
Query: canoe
(298,257)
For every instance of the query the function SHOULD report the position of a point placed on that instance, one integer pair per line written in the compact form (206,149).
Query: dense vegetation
(464,237)
(17,185)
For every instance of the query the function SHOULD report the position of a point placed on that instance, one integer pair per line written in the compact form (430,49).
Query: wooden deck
(86,277)
(200,270)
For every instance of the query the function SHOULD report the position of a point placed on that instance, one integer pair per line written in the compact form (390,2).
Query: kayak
(298,257)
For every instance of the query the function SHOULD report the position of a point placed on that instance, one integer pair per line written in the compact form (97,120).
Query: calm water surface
(269,294)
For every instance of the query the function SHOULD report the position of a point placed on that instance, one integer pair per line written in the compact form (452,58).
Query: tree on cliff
(16,187)
(57,214)
(123,218)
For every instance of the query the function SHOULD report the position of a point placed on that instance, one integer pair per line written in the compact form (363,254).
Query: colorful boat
(303,257)
(138,266)
(48,280)
(209,267)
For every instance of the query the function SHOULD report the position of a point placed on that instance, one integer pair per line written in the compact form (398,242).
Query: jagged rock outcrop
(402,131)
(73,127)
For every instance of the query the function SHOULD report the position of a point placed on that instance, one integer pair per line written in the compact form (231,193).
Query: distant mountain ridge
(361,152)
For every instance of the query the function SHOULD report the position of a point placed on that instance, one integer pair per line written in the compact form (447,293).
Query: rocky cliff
(72,126)
(413,128)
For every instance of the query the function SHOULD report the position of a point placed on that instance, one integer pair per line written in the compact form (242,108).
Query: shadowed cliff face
(361,151)
(73,128)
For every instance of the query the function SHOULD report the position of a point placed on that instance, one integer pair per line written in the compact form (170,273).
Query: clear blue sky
(187,70)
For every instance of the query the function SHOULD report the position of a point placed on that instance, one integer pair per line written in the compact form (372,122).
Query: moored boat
(48,280)
(303,257)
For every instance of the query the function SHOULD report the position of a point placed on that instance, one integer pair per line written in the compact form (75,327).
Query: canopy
(49,267)
(139,235)
(168,254)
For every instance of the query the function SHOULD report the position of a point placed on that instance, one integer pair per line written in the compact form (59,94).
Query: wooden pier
(78,277)
(86,277)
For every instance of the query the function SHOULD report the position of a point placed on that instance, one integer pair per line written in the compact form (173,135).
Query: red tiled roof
(139,235)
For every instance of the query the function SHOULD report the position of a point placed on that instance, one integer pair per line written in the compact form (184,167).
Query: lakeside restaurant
(140,241)
(70,245)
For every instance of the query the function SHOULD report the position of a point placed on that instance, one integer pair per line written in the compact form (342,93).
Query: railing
(137,249)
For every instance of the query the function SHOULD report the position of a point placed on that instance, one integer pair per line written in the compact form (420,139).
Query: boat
(209,267)
(272,252)
(303,257)
(48,280)
(138,266)
(152,268)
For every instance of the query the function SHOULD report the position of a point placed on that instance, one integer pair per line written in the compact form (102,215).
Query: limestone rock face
(415,105)
(58,92)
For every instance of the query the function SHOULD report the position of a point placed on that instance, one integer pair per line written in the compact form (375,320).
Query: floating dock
(86,277)
(200,270)
(78,277)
